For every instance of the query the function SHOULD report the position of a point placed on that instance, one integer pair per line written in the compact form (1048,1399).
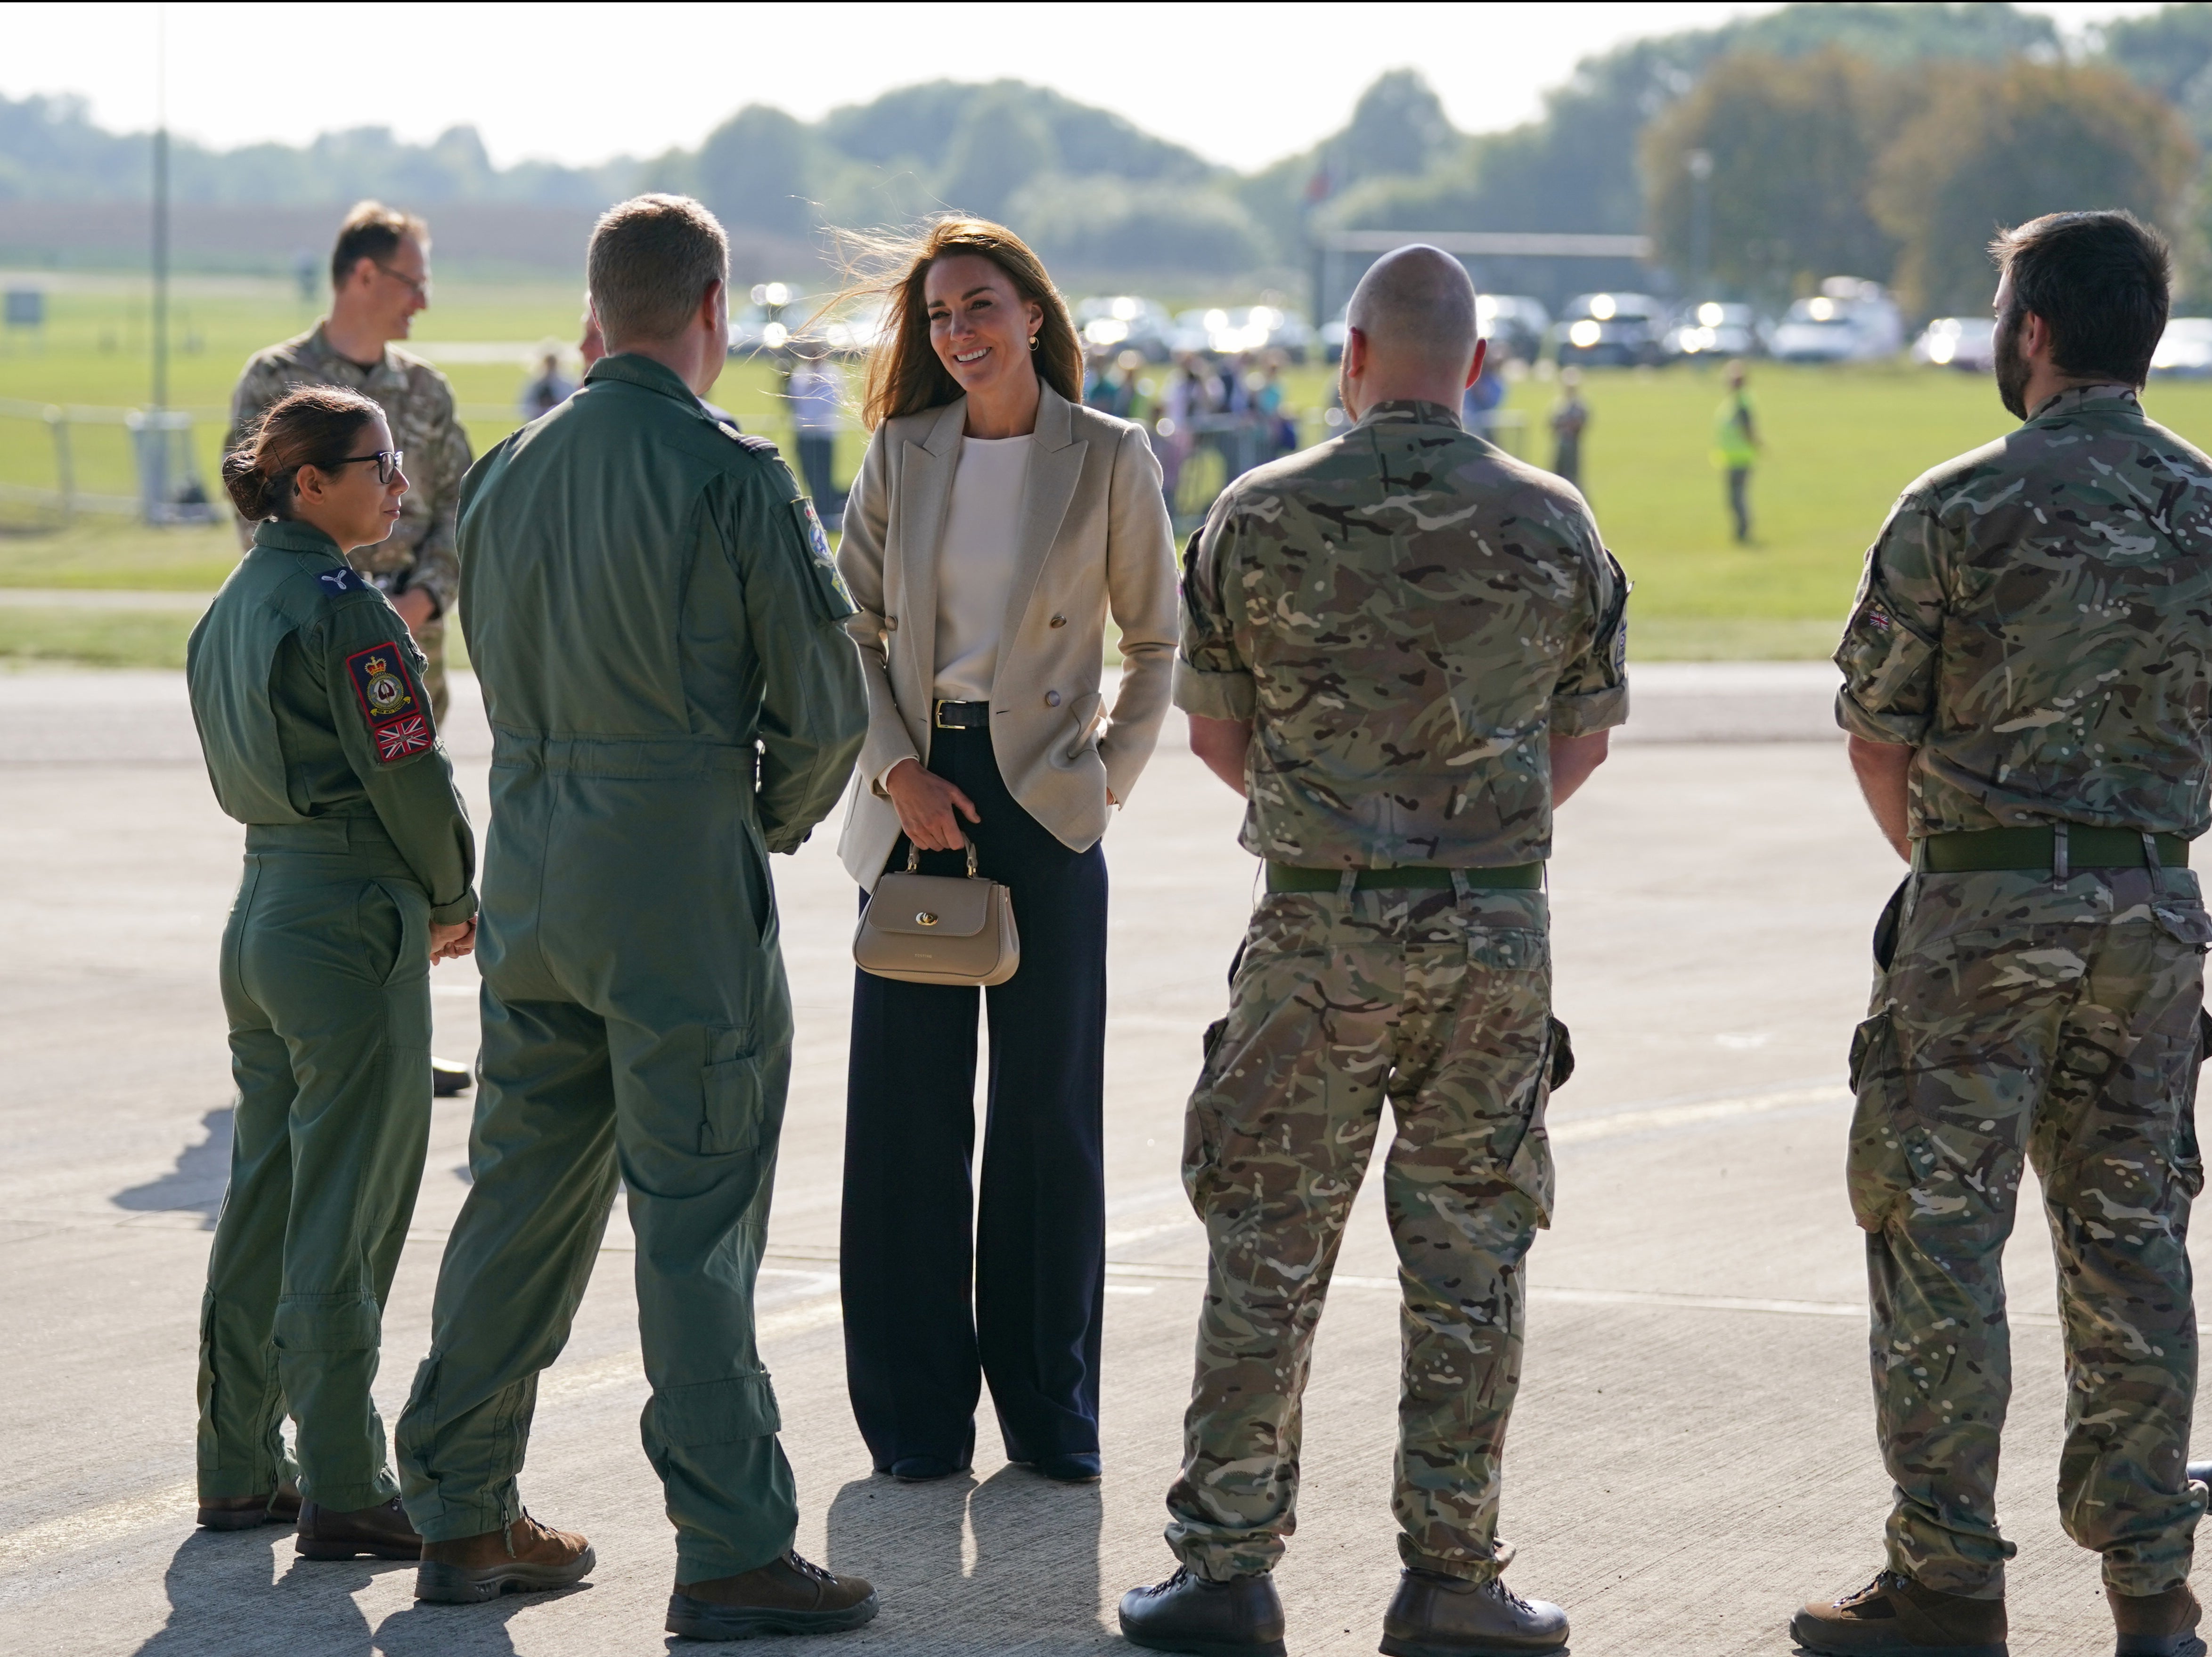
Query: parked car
(2185,349)
(1230,333)
(776,312)
(1513,324)
(1118,322)
(1849,320)
(1968,343)
(1712,328)
(1621,329)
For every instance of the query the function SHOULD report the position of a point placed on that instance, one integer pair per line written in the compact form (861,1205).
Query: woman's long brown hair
(904,374)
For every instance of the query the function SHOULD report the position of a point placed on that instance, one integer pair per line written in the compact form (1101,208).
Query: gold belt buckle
(938,720)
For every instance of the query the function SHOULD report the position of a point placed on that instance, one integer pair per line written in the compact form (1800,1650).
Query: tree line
(1855,138)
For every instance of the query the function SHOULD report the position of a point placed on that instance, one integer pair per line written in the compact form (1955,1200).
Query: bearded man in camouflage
(2025,681)
(1404,647)
(379,278)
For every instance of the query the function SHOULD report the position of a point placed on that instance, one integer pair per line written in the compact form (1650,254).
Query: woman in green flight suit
(360,866)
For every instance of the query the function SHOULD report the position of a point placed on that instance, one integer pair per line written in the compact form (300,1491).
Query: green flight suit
(311,713)
(672,696)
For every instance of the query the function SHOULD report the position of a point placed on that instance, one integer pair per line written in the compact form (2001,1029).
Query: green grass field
(1841,444)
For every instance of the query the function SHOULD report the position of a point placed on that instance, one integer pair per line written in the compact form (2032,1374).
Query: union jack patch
(393,705)
(402,736)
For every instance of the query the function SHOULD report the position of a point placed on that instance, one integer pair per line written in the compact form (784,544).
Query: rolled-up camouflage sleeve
(437,567)
(1888,655)
(1211,678)
(1592,692)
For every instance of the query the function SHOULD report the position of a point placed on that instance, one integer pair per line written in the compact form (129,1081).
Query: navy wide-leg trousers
(929,1313)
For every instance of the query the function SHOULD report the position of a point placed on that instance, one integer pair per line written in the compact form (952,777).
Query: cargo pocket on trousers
(716,1412)
(1876,1168)
(732,1102)
(1202,1142)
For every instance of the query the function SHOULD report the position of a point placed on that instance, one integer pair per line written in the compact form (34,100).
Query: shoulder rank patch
(758,445)
(392,703)
(341,580)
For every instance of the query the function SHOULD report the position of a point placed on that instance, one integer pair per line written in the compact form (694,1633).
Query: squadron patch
(342,580)
(825,567)
(392,703)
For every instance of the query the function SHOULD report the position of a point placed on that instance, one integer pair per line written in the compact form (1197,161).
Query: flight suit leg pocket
(734,1100)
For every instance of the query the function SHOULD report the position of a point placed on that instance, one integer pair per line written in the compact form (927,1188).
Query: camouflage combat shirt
(1407,615)
(2036,621)
(418,405)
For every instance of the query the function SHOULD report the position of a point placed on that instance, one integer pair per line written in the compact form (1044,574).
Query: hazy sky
(1239,84)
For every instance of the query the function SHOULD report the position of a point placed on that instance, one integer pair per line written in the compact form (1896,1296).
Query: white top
(975,564)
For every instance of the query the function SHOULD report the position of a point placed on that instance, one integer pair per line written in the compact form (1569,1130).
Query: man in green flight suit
(659,633)
(2024,679)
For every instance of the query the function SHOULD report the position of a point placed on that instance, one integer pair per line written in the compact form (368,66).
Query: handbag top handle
(913,858)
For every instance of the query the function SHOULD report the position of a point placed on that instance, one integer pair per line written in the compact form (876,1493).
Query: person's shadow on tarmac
(1033,1584)
(245,1593)
(241,1593)
(197,1179)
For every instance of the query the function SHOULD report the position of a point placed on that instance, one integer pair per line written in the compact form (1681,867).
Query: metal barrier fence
(137,463)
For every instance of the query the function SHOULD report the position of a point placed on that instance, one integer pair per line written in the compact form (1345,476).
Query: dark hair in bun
(314,425)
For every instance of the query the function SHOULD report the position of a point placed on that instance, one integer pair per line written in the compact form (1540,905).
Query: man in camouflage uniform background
(1405,648)
(2026,688)
(379,278)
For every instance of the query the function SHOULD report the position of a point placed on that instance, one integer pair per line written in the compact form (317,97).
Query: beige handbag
(939,929)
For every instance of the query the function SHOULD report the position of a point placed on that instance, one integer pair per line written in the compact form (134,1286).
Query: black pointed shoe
(1241,1617)
(1433,1614)
(1894,1616)
(2156,1625)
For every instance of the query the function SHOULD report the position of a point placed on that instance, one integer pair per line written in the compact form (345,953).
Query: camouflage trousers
(1442,1005)
(2022,1018)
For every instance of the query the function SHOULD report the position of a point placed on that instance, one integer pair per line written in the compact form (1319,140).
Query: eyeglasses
(422,288)
(387,462)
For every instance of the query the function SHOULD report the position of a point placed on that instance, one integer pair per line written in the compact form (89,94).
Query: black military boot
(1894,1616)
(2156,1625)
(1436,1616)
(1241,1617)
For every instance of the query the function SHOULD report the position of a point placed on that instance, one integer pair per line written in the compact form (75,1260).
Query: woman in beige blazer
(995,526)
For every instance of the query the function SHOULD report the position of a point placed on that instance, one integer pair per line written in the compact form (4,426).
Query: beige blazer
(1095,541)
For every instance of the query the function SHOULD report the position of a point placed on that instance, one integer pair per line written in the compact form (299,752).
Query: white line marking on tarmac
(1580,1130)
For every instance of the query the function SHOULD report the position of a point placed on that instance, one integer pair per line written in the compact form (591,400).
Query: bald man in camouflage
(2025,687)
(1404,647)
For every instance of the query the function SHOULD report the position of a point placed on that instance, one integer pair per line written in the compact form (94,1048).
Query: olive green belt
(2038,848)
(1512,877)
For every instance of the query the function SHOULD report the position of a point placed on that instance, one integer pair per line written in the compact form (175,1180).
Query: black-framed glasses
(422,288)
(387,462)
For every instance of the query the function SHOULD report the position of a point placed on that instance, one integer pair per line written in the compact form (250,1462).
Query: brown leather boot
(1189,1613)
(788,1595)
(527,1557)
(2156,1625)
(381,1533)
(243,1513)
(1893,1614)
(1436,1616)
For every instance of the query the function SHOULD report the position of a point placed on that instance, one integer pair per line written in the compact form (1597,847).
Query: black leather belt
(962,716)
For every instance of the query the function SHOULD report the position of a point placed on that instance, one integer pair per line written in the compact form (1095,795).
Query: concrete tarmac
(1691,1457)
